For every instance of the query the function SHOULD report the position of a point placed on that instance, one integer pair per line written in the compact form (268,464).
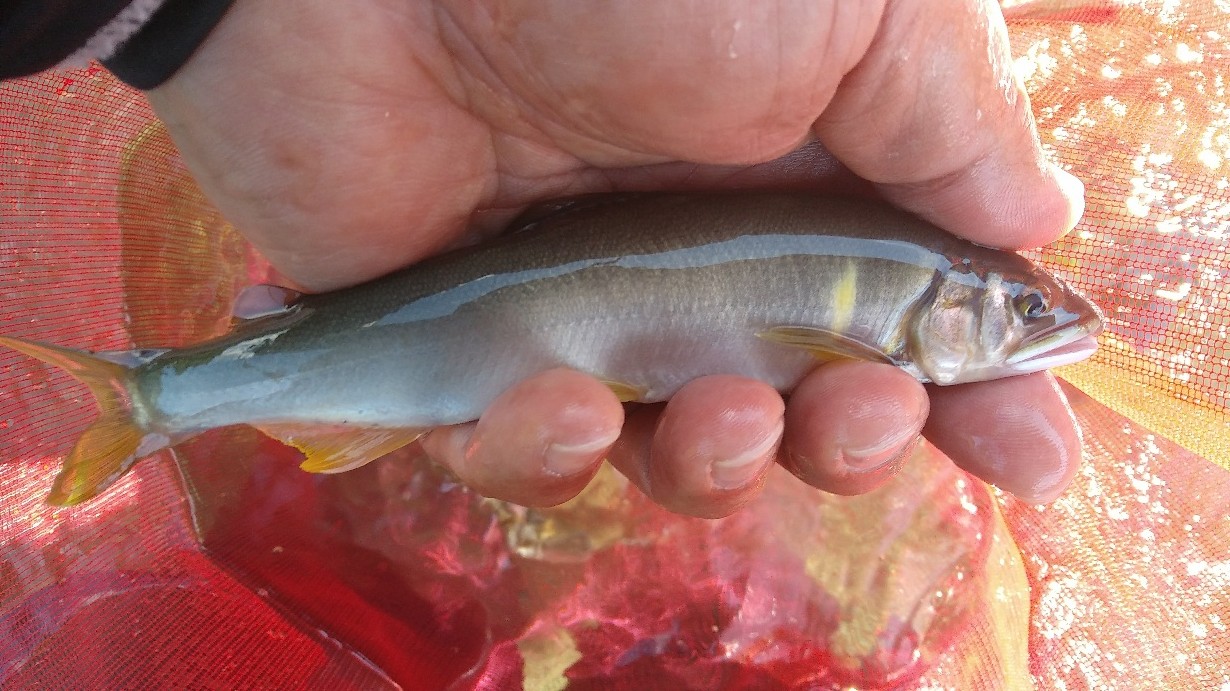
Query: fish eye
(1032,305)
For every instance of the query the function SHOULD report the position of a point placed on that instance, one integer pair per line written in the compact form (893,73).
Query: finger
(850,425)
(707,451)
(537,444)
(1018,433)
(324,158)
(810,168)
(934,114)
(740,82)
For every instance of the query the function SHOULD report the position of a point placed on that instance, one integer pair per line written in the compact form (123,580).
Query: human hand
(347,140)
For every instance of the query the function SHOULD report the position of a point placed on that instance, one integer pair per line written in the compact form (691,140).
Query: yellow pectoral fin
(330,449)
(626,393)
(824,344)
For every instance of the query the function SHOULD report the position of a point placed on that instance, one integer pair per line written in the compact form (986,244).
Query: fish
(645,292)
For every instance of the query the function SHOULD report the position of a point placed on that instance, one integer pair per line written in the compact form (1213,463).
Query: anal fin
(824,344)
(336,449)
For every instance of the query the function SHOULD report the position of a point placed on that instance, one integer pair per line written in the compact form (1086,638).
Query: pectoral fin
(824,344)
(626,393)
(331,449)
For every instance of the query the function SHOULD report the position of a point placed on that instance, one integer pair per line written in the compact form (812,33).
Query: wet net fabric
(221,565)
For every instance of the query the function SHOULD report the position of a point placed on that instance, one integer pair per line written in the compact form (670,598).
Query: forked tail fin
(107,448)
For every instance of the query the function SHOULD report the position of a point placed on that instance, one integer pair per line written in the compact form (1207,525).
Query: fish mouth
(1054,348)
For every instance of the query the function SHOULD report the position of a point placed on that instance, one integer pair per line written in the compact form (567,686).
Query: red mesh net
(220,565)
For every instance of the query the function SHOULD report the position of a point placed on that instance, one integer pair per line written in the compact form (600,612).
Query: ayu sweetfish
(645,292)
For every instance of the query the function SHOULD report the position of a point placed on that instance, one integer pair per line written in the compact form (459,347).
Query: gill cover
(968,331)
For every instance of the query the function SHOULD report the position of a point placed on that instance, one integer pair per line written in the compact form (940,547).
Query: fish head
(1008,319)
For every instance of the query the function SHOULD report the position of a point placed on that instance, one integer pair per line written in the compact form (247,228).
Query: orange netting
(223,566)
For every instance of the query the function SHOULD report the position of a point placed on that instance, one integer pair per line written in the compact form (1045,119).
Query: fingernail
(883,451)
(262,300)
(1074,190)
(563,460)
(738,469)
(868,445)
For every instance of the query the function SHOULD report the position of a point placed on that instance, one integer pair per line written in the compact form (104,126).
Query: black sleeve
(166,41)
(38,34)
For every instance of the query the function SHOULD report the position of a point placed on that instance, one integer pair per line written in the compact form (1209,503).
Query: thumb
(934,116)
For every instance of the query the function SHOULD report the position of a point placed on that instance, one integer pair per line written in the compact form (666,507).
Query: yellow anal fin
(110,446)
(334,449)
(824,344)
(106,450)
(626,393)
